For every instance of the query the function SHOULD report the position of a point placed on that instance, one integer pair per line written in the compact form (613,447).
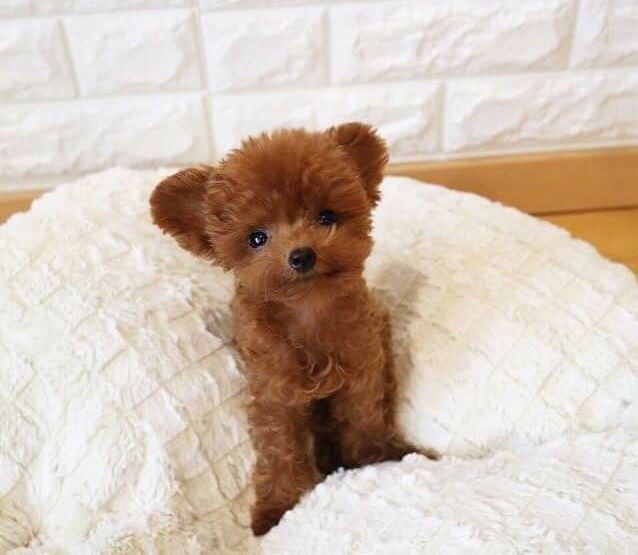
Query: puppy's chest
(317,341)
(322,343)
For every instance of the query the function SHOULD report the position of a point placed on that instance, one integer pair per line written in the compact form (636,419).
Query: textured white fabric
(121,422)
(577,494)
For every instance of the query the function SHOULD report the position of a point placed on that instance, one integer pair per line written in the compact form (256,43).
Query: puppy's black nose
(302,260)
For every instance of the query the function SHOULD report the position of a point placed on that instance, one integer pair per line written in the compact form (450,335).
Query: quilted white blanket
(121,421)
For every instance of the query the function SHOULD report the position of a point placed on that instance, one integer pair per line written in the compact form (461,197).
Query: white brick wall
(420,39)
(85,84)
(124,52)
(33,63)
(263,49)
(82,135)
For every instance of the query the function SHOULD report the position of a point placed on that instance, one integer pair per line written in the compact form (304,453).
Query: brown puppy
(289,213)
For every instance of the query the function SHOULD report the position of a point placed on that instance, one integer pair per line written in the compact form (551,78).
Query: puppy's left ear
(367,151)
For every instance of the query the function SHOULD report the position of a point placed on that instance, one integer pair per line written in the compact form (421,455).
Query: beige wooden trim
(613,232)
(536,183)
(541,183)
(16,202)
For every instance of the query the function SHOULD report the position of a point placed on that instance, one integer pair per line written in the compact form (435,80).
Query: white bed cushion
(121,422)
(576,494)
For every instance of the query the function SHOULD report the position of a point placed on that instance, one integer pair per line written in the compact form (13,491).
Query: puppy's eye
(326,217)
(257,239)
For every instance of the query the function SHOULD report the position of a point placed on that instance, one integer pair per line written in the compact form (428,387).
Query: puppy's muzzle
(302,260)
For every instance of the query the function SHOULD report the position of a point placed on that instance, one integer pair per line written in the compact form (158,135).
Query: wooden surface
(541,183)
(613,232)
(16,202)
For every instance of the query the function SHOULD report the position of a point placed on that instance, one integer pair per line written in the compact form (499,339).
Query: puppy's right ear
(178,207)
(366,149)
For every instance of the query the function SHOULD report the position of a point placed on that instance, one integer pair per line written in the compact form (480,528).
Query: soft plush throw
(121,421)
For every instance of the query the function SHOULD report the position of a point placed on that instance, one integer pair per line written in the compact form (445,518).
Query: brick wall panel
(82,136)
(399,40)
(607,33)
(542,111)
(33,61)
(257,49)
(134,52)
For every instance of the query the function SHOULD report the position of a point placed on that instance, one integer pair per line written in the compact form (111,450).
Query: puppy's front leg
(365,406)
(326,435)
(283,469)
(366,426)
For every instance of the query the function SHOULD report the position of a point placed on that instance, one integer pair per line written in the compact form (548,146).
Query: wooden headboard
(537,183)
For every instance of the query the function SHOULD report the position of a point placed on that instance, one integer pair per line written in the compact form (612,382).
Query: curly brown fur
(316,345)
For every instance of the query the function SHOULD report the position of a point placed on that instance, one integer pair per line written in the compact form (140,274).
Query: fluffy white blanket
(121,421)
(573,495)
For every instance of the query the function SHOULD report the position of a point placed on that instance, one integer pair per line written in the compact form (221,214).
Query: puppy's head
(288,212)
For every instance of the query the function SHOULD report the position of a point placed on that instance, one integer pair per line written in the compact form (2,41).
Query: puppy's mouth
(327,283)
(314,275)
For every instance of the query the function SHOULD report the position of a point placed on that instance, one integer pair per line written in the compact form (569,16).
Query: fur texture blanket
(121,420)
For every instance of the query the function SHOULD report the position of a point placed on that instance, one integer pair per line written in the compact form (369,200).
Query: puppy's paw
(404,448)
(264,518)
(429,453)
